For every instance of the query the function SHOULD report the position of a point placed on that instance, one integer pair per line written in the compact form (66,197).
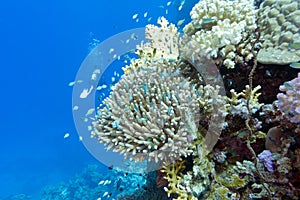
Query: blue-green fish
(180,22)
(295,65)
(208,20)
(288,85)
(294,46)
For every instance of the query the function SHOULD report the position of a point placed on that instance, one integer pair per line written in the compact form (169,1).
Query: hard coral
(279,23)
(162,44)
(219,28)
(289,101)
(150,114)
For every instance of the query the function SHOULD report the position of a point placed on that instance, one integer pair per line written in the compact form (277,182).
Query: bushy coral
(151,113)
(289,100)
(163,39)
(219,28)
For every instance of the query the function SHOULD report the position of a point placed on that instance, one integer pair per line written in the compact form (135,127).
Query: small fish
(288,85)
(169,3)
(75,107)
(106,182)
(181,5)
(84,119)
(180,22)
(145,14)
(208,20)
(134,37)
(295,46)
(80,138)
(105,194)
(161,6)
(73,83)
(94,77)
(119,184)
(101,182)
(180,8)
(134,16)
(111,50)
(86,92)
(268,73)
(149,19)
(295,65)
(96,71)
(66,135)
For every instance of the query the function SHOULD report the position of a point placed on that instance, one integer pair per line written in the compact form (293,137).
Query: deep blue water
(42,44)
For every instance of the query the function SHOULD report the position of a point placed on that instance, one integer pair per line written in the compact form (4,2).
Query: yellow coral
(232,182)
(245,94)
(173,177)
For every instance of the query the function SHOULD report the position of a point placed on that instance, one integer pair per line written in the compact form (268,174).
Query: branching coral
(173,177)
(152,113)
(193,184)
(162,44)
(238,102)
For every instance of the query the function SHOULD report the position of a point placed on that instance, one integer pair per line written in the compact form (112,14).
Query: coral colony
(161,108)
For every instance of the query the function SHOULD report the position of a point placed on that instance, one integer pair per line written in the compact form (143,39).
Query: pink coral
(289,101)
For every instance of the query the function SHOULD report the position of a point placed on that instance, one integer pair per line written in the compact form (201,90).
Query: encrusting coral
(279,23)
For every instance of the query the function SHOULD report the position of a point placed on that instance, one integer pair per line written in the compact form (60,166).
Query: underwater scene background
(206,106)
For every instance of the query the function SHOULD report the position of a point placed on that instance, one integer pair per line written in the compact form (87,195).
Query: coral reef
(279,25)
(162,108)
(92,183)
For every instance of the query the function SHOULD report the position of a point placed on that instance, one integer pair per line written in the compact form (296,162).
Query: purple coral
(266,157)
(289,102)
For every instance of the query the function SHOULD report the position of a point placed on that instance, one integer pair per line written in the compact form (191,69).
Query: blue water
(42,44)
